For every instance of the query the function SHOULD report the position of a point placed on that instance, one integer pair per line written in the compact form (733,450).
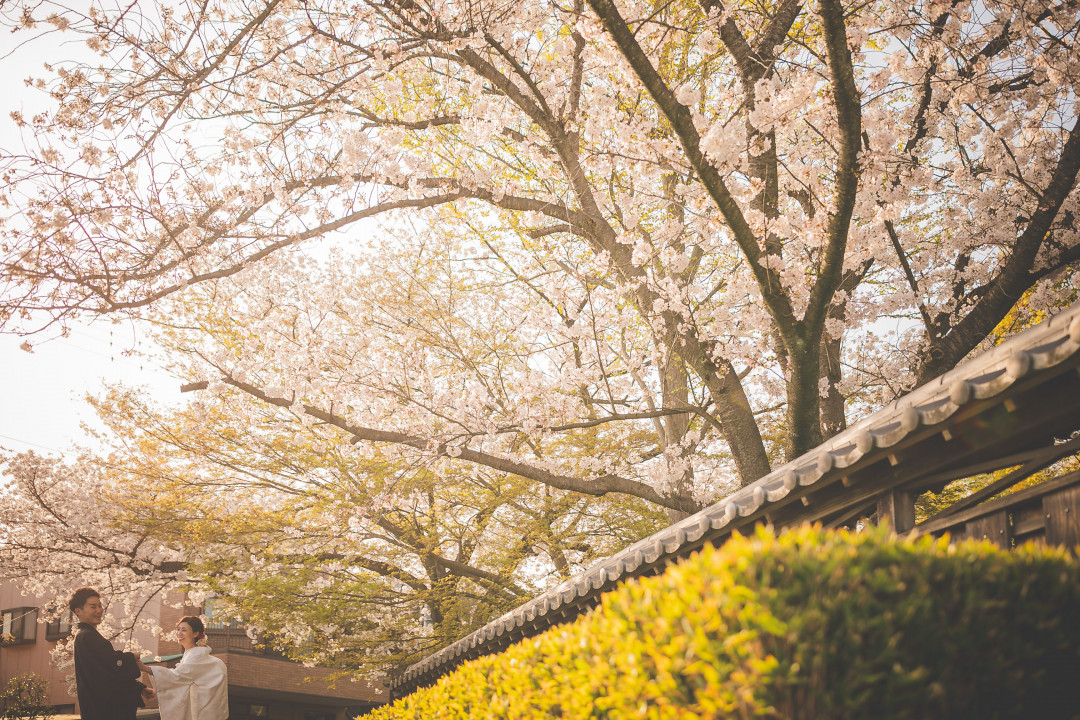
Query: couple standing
(108,680)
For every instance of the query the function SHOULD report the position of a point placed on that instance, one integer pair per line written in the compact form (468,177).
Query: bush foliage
(804,624)
(25,697)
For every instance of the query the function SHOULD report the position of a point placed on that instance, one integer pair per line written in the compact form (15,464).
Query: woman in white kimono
(197,688)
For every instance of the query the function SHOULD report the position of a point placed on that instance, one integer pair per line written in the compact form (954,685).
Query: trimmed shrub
(806,624)
(25,697)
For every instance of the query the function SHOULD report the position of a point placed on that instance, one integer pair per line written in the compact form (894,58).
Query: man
(107,679)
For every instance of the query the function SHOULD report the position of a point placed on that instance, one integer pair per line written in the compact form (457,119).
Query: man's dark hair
(80,596)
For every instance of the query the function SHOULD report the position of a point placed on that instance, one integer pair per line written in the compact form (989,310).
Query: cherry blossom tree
(737,174)
(56,534)
(336,555)
(600,254)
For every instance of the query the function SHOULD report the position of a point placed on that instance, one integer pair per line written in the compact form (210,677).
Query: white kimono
(196,689)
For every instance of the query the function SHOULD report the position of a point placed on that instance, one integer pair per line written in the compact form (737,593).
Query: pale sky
(42,393)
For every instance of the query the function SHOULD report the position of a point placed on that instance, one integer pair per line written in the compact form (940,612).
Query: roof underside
(1005,407)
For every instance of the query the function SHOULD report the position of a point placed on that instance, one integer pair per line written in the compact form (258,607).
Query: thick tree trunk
(676,393)
(803,408)
(833,414)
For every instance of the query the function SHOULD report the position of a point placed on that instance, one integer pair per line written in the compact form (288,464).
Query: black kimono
(107,679)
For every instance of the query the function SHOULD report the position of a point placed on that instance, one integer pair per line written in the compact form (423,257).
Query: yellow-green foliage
(805,624)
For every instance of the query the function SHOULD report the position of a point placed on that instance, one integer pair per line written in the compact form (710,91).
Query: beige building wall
(260,685)
(36,657)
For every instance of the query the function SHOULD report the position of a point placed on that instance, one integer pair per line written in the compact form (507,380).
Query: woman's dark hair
(80,596)
(194,623)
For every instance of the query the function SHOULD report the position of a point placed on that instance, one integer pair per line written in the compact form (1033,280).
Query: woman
(197,688)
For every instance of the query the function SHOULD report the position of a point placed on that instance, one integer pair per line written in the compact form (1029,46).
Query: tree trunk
(804,407)
(833,415)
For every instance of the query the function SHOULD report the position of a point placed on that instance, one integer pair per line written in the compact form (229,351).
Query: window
(246,711)
(216,619)
(58,629)
(19,626)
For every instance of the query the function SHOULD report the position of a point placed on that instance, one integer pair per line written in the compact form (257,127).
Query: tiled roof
(1041,349)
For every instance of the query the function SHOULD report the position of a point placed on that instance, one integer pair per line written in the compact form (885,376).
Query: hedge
(805,624)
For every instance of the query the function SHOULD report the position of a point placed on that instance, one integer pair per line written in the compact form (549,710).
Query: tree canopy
(470,293)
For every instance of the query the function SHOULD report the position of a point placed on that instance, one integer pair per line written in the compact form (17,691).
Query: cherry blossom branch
(755,62)
(407,541)
(596,486)
(190,87)
(682,122)
(846,100)
(1015,277)
(913,283)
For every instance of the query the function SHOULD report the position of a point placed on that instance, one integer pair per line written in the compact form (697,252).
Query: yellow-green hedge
(805,624)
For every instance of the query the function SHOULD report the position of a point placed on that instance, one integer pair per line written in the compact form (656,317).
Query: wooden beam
(1042,460)
(897,507)
(936,524)
(1062,511)
(859,512)
(967,469)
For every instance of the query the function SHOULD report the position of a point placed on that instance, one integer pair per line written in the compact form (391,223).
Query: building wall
(33,658)
(37,658)
(254,674)
(261,685)
(242,708)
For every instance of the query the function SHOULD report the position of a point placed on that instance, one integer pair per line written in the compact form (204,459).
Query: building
(262,684)
(29,652)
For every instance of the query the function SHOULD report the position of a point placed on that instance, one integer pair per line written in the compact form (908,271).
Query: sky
(42,394)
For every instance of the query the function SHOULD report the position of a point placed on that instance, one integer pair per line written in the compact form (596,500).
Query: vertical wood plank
(1062,511)
(899,507)
(993,527)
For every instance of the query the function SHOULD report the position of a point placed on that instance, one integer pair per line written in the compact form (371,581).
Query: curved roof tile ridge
(1043,346)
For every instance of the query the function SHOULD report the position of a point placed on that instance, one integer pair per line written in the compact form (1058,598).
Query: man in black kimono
(107,679)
